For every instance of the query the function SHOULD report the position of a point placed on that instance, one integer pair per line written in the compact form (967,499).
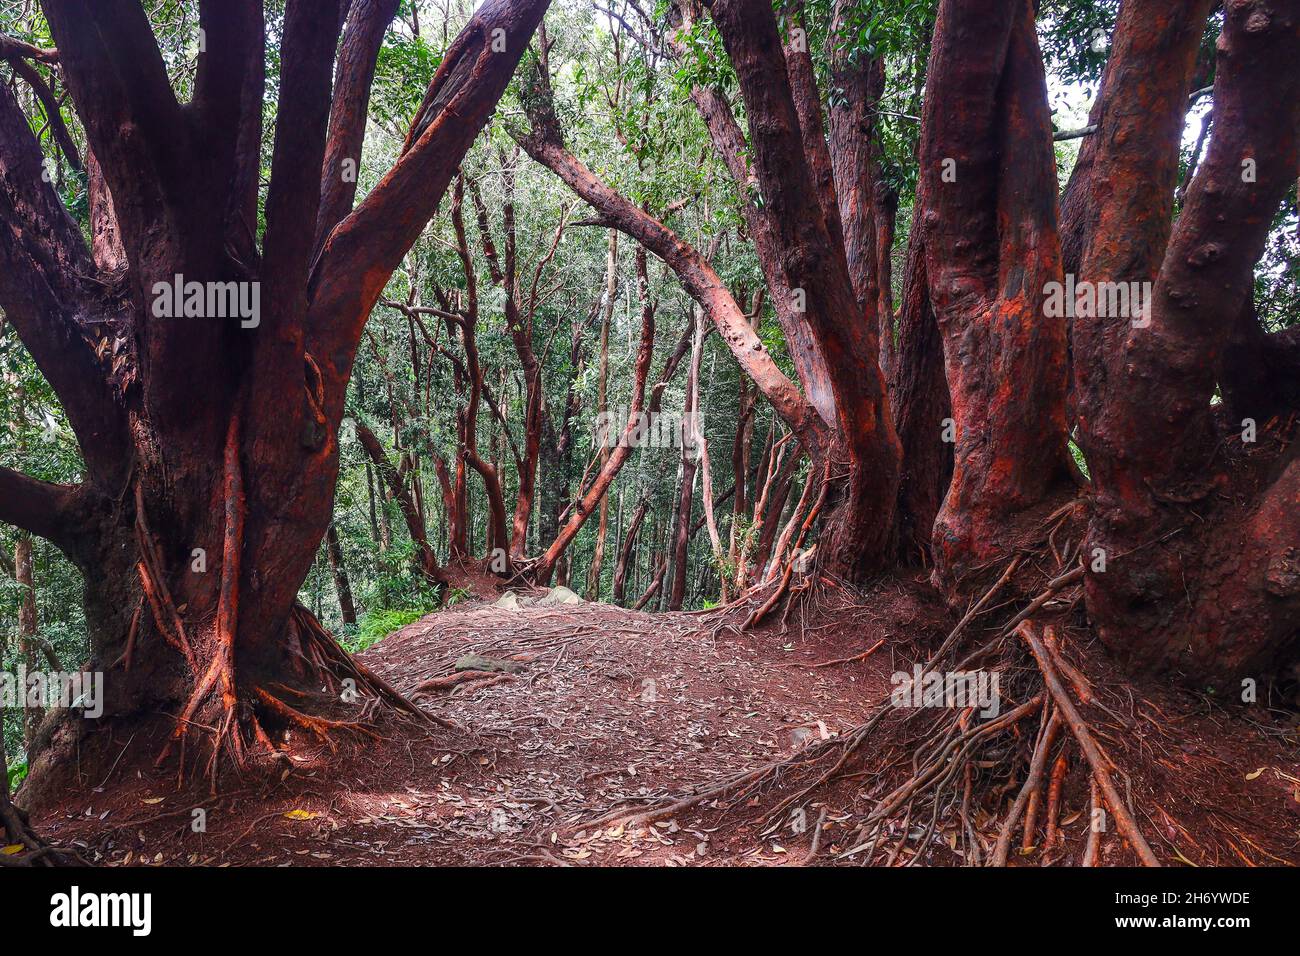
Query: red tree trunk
(210,443)
(1201,570)
(988,185)
(793,166)
(921,410)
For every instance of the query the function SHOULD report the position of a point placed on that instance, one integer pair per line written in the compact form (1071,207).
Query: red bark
(690,459)
(921,408)
(519,314)
(693,270)
(1201,571)
(467,326)
(988,185)
(787,147)
(1118,207)
(602,390)
(152,397)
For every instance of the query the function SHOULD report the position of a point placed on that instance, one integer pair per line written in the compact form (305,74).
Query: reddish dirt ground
(612,711)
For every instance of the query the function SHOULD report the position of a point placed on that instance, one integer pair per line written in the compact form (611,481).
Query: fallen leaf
(301,815)
(1252,776)
(12,850)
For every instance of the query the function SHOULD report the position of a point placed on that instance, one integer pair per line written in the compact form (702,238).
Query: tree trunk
(690,468)
(656,582)
(589,498)
(1200,571)
(375,536)
(28,634)
(988,183)
(1124,182)
(626,555)
(922,411)
(497,536)
(602,385)
(770,507)
(426,560)
(210,440)
(793,165)
(342,586)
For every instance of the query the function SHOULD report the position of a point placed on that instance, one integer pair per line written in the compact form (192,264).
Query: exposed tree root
(765,608)
(1096,757)
(20,846)
(1059,770)
(153,584)
(1025,802)
(478,679)
(337,666)
(236,717)
(844,660)
(320,726)
(941,776)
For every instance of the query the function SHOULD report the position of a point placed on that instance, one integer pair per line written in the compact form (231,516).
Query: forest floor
(609,711)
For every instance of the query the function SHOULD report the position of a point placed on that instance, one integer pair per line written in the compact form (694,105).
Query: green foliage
(403,70)
(1277,277)
(377,625)
(1075,37)
(626,113)
(704,61)
(17,774)
(887,28)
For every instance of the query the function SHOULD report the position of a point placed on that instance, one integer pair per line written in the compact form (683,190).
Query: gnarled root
(336,665)
(240,720)
(1097,759)
(940,778)
(20,846)
(235,716)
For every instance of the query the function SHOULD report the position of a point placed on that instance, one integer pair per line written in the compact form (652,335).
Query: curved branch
(36,506)
(696,275)
(53,114)
(133,122)
(363,250)
(363,35)
(45,273)
(12,48)
(428,561)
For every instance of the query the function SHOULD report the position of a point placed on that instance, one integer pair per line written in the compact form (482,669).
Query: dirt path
(609,709)
(604,711)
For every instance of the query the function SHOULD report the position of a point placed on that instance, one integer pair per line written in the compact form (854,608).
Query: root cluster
(943,778)
(20,846)
(237,717)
